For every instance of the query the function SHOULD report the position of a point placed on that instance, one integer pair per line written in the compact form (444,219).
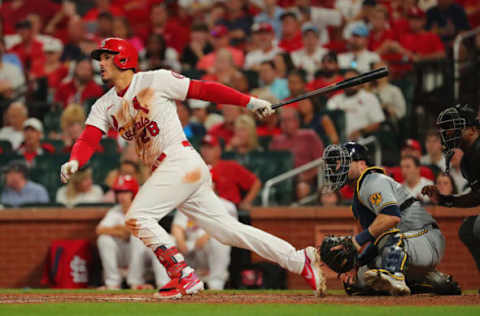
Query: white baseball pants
(183,181)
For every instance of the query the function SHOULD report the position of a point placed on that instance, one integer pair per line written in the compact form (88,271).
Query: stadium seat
(5,147)
(46,171)
(267,165)
(57,143)
(109,145)
(51,121)
(102,164)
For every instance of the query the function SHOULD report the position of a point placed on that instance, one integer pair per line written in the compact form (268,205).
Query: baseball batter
(140,106)
(405,241)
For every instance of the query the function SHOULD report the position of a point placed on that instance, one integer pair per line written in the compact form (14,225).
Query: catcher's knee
(394,258)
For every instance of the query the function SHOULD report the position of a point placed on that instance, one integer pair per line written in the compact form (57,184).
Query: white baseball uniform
(117,253)
(146,114)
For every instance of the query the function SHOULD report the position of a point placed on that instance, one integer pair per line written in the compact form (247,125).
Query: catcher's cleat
(312,272)
(383,280)
(179,287)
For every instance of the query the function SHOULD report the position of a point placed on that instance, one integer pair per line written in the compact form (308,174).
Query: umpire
(404,242)
(459,127)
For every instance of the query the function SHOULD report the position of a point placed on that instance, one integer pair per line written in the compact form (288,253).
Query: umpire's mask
(336,164)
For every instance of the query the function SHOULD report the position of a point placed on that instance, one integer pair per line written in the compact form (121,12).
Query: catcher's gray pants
(424,248)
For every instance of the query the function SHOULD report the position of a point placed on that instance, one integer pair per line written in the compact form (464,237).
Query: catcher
(404,241)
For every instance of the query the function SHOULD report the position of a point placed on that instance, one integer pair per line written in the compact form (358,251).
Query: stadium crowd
(273,49)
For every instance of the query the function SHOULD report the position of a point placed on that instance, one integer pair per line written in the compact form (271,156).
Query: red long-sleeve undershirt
(209,91)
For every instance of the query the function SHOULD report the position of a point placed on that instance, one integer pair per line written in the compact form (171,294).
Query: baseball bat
(347,83)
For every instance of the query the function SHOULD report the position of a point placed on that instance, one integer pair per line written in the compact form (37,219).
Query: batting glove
(68,169)
(261,108)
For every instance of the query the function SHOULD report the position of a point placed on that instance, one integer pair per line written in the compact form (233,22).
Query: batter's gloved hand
(68,169)
(339,253)
(261,108)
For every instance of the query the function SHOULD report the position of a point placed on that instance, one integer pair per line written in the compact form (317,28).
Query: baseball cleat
(312,272)
(177,288)
(383,280)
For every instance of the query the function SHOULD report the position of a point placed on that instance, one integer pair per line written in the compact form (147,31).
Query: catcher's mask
(451,122)
(336,164)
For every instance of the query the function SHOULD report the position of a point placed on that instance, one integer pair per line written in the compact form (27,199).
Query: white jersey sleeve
(170,84)
(98,116)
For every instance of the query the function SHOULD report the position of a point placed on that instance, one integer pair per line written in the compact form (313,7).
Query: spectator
(72,122)
(197,47)
(330,199)
(238,20)
(12,79)
(203,253)
(76,33)
(472,9)
(231,179)
(271,14)
(157,55)
(291,32)
(225,130)
(419,44)
(245,137)
(122,29)
(64,16)
(55,70)
(201,115)
(271,84)
(12,130)
(309,58)
(414,182)
(359,57)
(283,64)
(32,145)
(29,50)
(126,168)
(445,184)
(411,147)
(80,189)
(81,88)
(447,19)
(269,127)
(191,129)
(461,184)
(18,189)
(224,69)
(363,112)
(350,9)
(434,156)
(104,28)
(304,144)
(102,6)
(267,49)
(329,73)
(117,248)
(391,98)
(310,118)
(220,39)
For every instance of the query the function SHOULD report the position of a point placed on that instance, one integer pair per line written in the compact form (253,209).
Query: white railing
(313,164)
(456,57)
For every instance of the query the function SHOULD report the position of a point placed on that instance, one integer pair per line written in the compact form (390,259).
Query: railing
(314,164)
(456,57)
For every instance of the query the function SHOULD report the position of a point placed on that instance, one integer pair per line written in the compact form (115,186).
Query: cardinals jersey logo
(375,199)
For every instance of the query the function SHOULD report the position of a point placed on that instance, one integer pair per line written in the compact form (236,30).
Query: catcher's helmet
(336,164)
(357,151)
(125,183)
(126,56)
(452,121)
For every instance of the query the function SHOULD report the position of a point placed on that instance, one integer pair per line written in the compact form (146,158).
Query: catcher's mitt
(340,260)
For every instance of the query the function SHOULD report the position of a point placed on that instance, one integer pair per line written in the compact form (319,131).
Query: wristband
(364,237)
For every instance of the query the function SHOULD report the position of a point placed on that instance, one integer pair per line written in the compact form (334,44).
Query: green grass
(119,309)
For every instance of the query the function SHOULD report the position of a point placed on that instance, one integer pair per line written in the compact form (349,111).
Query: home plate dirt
(238,298)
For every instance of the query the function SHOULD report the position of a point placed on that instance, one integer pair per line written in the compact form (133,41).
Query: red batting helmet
(126,183)
(126,56)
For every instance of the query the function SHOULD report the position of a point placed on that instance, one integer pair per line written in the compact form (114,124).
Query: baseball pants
(117,253)
(182,180)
